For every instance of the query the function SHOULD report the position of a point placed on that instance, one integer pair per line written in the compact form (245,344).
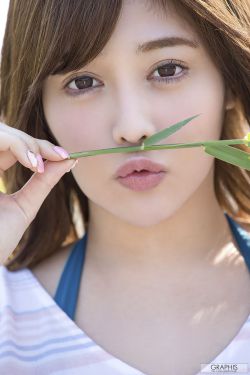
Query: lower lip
(140,181)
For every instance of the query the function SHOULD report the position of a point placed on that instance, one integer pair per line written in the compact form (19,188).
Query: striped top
(38,334)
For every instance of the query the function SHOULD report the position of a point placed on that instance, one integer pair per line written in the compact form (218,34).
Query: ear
(229,99)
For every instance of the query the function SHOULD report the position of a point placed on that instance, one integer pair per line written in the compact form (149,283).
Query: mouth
(142,180)
(140,173)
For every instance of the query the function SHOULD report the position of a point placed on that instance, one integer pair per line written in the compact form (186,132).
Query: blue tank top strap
(242,237)
(68,288)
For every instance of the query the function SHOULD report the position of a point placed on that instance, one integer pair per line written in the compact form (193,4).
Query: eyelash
(165,80)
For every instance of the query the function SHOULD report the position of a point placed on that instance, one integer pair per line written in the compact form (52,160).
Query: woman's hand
(17,210)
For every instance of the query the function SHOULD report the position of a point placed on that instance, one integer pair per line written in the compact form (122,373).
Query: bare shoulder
(48,271)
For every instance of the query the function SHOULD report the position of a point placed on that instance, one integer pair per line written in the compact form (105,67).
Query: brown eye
(168,70)
(83,83)
(171,72)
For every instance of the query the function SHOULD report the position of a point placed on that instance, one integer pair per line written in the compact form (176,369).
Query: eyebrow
(166,42)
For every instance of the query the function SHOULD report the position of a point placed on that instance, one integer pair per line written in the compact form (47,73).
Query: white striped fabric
(37,337)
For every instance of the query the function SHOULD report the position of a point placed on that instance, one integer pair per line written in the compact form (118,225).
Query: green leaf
(230,154)
(167,132)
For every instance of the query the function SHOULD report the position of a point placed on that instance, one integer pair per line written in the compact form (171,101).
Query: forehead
(142,20)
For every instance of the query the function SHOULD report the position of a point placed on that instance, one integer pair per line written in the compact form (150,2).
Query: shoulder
(48,271)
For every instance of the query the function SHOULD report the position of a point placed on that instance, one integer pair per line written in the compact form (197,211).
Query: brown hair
(43,38)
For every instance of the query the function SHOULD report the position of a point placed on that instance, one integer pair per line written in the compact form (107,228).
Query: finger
(34,192)
(14,148)
(45,148)
(28,151)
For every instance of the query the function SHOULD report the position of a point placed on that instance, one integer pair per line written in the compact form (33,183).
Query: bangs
(72,33)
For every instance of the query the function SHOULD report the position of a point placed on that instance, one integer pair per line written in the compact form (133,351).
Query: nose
(132,123)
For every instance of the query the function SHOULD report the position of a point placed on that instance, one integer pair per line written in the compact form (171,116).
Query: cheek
(74,127)
(208,100)
(202,93)
(205,96)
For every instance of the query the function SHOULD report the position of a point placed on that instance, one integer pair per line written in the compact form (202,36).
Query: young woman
(154,279)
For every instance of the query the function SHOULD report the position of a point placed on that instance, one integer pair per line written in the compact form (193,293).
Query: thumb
(31,196)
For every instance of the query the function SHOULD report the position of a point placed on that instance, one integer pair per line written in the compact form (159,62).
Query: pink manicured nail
(32,159)
(40,166)
(73,166)
(60,151)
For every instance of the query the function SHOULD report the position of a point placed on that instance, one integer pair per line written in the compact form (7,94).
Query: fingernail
(73,166)
(60,151)
(40,166)
(32,158)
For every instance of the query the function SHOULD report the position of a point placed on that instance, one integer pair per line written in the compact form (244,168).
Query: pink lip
(140,174)
(139,164)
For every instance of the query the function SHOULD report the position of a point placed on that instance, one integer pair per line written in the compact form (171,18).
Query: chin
(145,220)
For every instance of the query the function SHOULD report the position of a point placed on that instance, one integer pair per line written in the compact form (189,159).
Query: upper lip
(138,164)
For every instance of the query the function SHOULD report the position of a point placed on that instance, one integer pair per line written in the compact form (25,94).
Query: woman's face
(120,98)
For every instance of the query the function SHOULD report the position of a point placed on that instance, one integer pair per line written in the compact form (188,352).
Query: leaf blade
(167,131)
(230,155)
